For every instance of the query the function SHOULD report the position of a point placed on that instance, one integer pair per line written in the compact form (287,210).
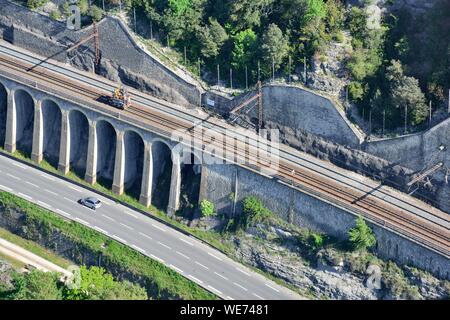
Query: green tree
(244,47)
(36,285)
(246,14)
(274,47)
(95,13)
(207,208)
(212,38)
(361,236)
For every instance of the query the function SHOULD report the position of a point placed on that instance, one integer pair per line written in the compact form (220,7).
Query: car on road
(90,202)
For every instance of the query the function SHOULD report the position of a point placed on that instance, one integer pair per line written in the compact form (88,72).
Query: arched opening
(162,173)
(106,153)
(3,113)
(79,139)
(190,184)
(25,121)
(51,117)
(134,161)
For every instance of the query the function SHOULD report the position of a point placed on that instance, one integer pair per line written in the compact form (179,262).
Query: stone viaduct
(96,146)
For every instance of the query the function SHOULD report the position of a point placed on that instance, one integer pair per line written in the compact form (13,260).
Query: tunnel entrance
(162,174)
(134,163)
(25,121)
(190,185)
(106,153)
(79,139)
(3,113)
(51,116)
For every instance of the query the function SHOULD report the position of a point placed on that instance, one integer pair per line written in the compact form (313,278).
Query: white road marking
(44,204)
(214,289)
(268,285)
(259,297)
(69,199)
(47,177)
(177,269)
(51,192)
(76,189)
(185,241)
(101,230)
(13,176)
(183,255)
(164,245)
(195,279)
(146,236)
(109,218)
(119,239)
(223,277)
(138,249)
(214,256)
(25,196)
(108,203)
(157,258)
(130,214)
(246,273)
(158,227)
(238,285)
(201,265)
(32,184)
(19,165)
(5,188)
(82,221)
(126,226)
(229,298)
(63,212)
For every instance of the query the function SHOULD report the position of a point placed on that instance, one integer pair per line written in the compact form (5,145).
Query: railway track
(425,231)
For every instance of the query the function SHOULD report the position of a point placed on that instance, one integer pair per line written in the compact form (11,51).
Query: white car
(91,202)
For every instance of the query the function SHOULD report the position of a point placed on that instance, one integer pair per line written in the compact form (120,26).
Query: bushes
(253,212)
(207,208)
(34,4)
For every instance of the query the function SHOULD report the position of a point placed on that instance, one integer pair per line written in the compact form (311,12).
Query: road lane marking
(183,255)
(146,236)
(158,227)
(259,297)
(214,289)
(13,176)
(246,273)
(194,278)
(164,245)
(214,256)
(118,238)
(63,212)
(185,241)
(268,285)
(82,221)
(19,165)
(130,214)
(177,269)
(100,229)
(229,298)
(223,277)
(51,192)
(69,199)
(32,184)
(5,188)
(157,258)
(109,218)
(44,204)
(201,265)
(47,177)
(126,226)
(76,189)
(238,285)
(138,249)
(25,196)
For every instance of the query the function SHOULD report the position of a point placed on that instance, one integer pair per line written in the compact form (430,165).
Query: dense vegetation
(94,284)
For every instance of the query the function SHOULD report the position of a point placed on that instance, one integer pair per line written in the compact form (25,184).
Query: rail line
(411,226)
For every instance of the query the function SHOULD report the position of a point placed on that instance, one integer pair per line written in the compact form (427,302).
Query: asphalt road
(186,255)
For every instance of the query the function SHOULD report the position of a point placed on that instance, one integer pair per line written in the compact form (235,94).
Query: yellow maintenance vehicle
(120,98)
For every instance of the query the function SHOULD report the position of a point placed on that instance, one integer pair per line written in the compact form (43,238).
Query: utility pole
(370,121)
(406,118)
(246,78)
(384,121)
(289,69)
(168,42)
(218,75)
(448,101)
(120,6)
(151,29)
(260,107)
(185,55)
(259,71)
(231,79)
(103,5)
(430,113)
(304,69)
(199,69)
(273,69)
(134,15)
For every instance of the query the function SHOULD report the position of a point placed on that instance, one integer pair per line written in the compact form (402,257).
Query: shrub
(95,13)
(55,15)
(361,236)
(253,212)
(316,240)
(207,208)
(34,4)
